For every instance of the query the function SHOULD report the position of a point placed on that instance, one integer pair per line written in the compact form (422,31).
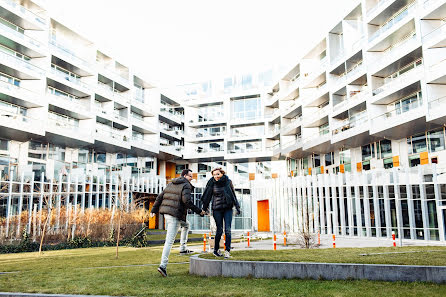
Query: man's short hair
(185,172)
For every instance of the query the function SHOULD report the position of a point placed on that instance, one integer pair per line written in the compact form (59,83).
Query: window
(368,151)
(316,160)
(4,145)
(345,159)
(243,131)
(417,144)
(99,157)
(37,150)
(384,149)
(329,159)
(247,81)
(436,140)
(388,163)
(246,108)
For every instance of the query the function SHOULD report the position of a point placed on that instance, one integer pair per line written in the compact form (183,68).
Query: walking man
(173,203)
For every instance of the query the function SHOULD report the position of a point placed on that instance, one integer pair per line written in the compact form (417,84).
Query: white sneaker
(227,255)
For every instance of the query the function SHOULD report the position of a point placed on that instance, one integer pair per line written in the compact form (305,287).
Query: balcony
(292,148)
(64,132)
(437,71)
(114,76)
(315,114)
(318,142)
(395,19)
(70,81)
(145,125)
(27,69)
(66,53)
(115,137)
(406,119)
(435,114)
(273,132)
(172,114)
(19,127)
(314,73)
(399,79)
(394,52)
(172,149)
(291,128)
(80,107)
(24,17)
(107,92)
(434,38)
(29,46)
(314,93)
(272,115)
(174,133)
(352,131)
(21,95)
(144,145)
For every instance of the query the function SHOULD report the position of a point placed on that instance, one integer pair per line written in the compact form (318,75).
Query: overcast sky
(181,41)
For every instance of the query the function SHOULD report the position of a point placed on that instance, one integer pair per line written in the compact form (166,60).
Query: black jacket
(176,199)
(230,199)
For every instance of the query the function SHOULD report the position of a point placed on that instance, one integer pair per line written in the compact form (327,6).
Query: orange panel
(252,176)
(274,175)
(341,168)
(424,158)
(322,170)
(263,216)
(152,221)
(396,161)
(359,166)
(170,170)
(292,173)
(195,176)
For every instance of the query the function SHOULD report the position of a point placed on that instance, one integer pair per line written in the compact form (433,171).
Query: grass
(72,271)
(426,255)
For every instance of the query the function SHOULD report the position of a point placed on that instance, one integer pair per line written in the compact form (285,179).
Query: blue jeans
(173,225)
(219,217)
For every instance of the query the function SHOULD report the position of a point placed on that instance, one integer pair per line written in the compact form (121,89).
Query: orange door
(263,215)
(152,221)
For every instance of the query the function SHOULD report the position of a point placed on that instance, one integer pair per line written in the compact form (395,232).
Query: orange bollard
(319,237)
(275,245)
(334,241)
(393,238)
(224,241)
(204,242)
(248,239)
(284,238)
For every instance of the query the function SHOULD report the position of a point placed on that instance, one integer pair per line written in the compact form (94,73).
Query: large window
(368,151)
(345,159)
(245,147)
(435,140)
(384,149)
(329,159)
(246,108)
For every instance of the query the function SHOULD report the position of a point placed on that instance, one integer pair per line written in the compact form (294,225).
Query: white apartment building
(72,115)
(370,94)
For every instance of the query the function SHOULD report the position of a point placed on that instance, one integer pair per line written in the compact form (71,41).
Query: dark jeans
(219,217)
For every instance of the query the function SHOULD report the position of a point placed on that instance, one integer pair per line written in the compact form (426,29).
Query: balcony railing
(440,31)
(67,126)
(7,30)
(70,78)
(171,147)
(401,109)
(209,150)
(355,97)
(66,51)
(19,61)
(287,144)
(395,19)
(321,133)
(350,123)
(398,76)
(433,104)
(65,99)
(381,3)
(144,142)
(389,54)
(113,94)
(112,134)
(12,117)
(244,150)
(18,90)
(250,115)
(117,116)
(16,7)
(112,74)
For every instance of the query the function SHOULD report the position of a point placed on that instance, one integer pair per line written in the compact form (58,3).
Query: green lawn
(70,271)
(427,255)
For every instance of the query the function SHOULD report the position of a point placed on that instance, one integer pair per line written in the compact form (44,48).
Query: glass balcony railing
(440,31)
(16,118)
(433,104)
(287,144)
(347,124)
(247,115)
(204,150)
(171,147)
(321,135)
(118,116)
(142,141)
(404,105)
(21,10)
(18,90)
(113,74)
(19,61)
(65,99)
(4,30)
(395,19)
(428,3)
(397,76)
(353,97)
(394,50)
(244,150)
(172,112)
(378,5)
(115,134)
(110,93)
(70,78)
(67,52)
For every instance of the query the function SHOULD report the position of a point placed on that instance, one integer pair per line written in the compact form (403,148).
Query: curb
(319,271)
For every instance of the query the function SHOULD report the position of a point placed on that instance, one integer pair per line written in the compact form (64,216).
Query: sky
(171,42)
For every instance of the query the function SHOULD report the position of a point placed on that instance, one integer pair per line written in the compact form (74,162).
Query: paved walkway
(326,242)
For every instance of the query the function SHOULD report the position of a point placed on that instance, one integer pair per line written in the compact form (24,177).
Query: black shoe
(186,252)
(217,254)
(162,271)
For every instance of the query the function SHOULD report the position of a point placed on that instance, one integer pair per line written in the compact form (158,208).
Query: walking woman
(220,191)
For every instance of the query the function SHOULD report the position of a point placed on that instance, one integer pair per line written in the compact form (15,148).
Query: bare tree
(50,201)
